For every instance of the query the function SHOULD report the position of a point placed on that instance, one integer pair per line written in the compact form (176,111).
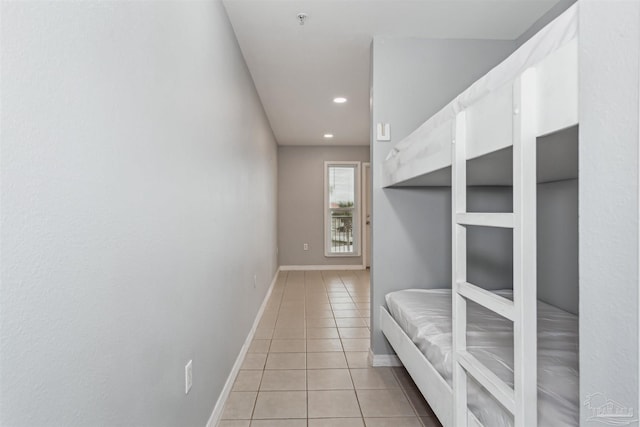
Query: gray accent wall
(609,203)
(411,80)
(138,191)
(558,244)
(489,250)
(301,202)
(555,11)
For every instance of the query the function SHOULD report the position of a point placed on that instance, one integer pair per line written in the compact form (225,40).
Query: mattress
(425,316)
(550,39)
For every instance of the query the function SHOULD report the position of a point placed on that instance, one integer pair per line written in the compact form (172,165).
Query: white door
(366,216)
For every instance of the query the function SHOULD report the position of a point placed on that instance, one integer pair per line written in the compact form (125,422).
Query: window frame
(356,225)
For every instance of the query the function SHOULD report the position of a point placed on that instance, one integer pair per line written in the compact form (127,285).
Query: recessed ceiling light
(328,135)
(340,100)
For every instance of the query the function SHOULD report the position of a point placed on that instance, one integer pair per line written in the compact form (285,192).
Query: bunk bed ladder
(521,400)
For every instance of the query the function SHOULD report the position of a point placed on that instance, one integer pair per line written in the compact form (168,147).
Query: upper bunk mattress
(428,148)
(425,315)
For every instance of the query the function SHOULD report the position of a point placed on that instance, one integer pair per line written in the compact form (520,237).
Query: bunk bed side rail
(426,154)
(557,90)
(489,122)
(430,383)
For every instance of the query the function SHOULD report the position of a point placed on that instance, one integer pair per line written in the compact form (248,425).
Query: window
(341,206)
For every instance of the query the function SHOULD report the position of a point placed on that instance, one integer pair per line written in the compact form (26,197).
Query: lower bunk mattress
(425,316)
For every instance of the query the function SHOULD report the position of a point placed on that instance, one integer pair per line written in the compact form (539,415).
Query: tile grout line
(255,403)
(306,359)
(309,290)
(351,374)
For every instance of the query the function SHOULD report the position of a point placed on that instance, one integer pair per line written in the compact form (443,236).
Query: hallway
(307,365)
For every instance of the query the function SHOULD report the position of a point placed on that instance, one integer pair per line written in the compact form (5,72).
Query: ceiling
(299,69)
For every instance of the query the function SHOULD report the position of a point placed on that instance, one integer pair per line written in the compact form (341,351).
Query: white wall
(412,79)
(301,202)
(608,194)
(138,201)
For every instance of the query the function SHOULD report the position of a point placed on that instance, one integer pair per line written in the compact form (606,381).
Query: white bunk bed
(532,94)
(423,158)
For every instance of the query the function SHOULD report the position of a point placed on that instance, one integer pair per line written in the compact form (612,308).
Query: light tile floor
(308,363)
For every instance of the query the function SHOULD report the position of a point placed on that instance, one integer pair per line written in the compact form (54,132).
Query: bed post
(524,250)
(459,267)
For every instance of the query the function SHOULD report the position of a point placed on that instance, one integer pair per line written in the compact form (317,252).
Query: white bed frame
(531,94)
(423,158)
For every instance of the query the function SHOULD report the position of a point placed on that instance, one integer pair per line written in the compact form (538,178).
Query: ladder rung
(494,385)
(504,220)
(500,305)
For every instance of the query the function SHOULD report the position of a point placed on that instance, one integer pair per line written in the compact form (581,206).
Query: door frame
(366,201)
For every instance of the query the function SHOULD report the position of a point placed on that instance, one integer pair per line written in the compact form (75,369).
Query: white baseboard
(224,395)
(320,267)
(379,360)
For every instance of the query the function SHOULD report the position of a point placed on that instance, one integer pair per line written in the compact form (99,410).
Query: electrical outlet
(188,376)
(255,280)
(305,246)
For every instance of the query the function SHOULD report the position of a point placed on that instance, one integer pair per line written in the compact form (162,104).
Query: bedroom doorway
(366,215)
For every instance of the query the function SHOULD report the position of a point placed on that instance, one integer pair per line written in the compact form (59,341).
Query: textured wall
(138,201)
(301,202)
(609,130)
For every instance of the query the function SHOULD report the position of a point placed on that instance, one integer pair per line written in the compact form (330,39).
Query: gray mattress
(425,315)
